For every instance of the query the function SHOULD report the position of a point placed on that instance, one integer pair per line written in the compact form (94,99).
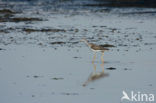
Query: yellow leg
(102,57)
(94,57)
(94,61)
(102,60)
(94,66)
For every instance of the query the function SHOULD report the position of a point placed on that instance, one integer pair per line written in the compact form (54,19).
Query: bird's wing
(97,47)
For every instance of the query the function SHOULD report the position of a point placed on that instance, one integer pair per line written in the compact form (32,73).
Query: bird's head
(83,40)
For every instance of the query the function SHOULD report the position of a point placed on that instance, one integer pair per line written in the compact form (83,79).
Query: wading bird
(95,48)
(96,75)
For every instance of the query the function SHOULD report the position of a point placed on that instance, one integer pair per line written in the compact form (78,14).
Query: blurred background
(140,3)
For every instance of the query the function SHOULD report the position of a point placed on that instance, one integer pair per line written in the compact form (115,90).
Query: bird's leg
(94,58)
(102,65)
(94,66)
(102,60)
(93,61)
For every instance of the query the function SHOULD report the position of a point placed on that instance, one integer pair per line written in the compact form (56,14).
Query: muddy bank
(43,30)
(124,3)
(88,3)
(7,15)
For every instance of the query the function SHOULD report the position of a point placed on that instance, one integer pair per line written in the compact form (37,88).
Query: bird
(94,47)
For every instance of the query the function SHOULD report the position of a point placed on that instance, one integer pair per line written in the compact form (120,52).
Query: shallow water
(52,66)
(28,72)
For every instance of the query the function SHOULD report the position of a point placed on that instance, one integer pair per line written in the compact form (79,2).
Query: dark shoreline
(122,5)
(87,3)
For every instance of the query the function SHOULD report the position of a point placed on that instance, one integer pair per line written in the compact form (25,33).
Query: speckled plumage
(95,47)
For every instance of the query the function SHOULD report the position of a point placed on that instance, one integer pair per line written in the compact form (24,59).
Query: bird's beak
(81,40)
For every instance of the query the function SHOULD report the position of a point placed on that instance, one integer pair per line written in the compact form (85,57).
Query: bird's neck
(87,43)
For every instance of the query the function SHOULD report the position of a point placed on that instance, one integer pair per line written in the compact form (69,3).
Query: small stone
(33,96)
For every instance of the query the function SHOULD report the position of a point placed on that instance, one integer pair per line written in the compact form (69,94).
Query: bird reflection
(96,75)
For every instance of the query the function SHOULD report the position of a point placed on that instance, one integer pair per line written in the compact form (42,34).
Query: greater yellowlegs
(95,48)
(96,75)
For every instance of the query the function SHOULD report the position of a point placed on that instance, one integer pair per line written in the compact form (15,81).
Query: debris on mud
(6,15)
(107,45)
(36,76)
(58,42)
(57,78)
(3,31)
(33,95)
(24,19)
(2,49)
(43,30)
(111,68)
(150,85)
(73,42)
(7,30)
(76,57)
(139,12)
(64,93)
(154,43)
(6,11)
(127,69)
